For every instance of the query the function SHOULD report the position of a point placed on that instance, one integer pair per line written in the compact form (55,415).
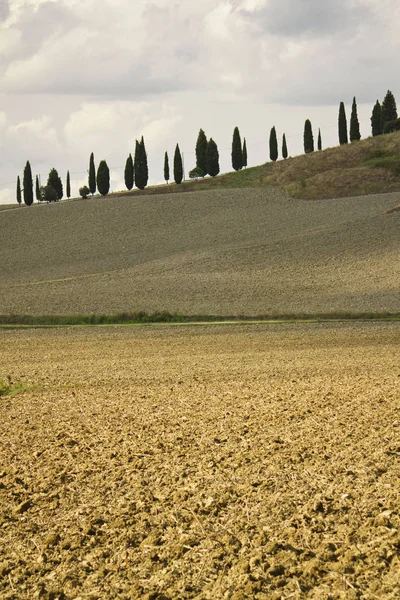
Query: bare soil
(201,462)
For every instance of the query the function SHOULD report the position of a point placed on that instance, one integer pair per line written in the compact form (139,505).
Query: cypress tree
(92,175)
(237,152)
(319,140)
(308,137)
(129,174)
(212,158)
(55,182)
(37,189)
(27,183)
(136,164)
(273,145)
(140,165)
(376,119)
(103,178)
(342,122)
(166,167)
(201,152)
(389,109)
(145,168)
(244,153)
(68,186)
(19,196)
(354,123)
(284,147)
(178,166)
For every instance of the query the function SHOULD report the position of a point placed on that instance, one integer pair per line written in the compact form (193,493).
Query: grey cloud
(4,10)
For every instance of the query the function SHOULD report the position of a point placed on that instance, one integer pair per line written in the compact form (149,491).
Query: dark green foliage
(166,167)
(48,194)
(27,183)
(68,186)
(37,189)
(342,122)
(244,153)
(103,178)
(84,191)
(140,165)
(92,175)
(354,123)
(319,140)
(201,152)
(178,166)
(389,109)
(237,152)
(391,126)
(19,195)
(212,158)
(284,147)
(308,137)
(196,173)
(129,173)
(273,145)
(55,182)
(376,119)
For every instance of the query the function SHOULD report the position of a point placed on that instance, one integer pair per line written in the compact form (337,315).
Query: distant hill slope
(224,252)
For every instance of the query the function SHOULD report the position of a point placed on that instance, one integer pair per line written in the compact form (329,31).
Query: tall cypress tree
(19,196)
(140,165)
(284,147)
(68,186)
(319,140)
(201,152)
(308,137)
(92,175)
(273,145)
(244,153)
(166,167)
(55,182)
(128,173)
(27,183)
(342,123)
(389,109)
(212,158)
(376,119)
(103,178)
(178,166)
(237,152)
(37,189)
(354,123)
(143,157)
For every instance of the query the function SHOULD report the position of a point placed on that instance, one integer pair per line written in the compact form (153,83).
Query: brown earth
(201,462)
(224,252)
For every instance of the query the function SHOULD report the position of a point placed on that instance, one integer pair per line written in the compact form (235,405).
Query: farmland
(201,462)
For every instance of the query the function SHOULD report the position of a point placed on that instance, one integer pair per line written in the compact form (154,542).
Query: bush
(48,194)
(391,126)
(196,172)
(84,191)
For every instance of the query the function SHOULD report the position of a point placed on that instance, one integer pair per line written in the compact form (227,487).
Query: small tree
(84,191)
(48,194)
(376,119)
(196,173)
(27,183)
(273,145)
(319,140)
(166,167)
(354,123)
(55,182)
(140,165)
(19,195)
(308,137)
(342,123)
(237,152)
(37,189)
(284,147)
(103,178)
(68,186)
(244,153)
(389,109)
(129,174)
(201,152)
(178,166)
(212,158)
(92,175)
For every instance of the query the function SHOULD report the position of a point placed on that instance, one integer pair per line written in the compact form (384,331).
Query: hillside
(223,252)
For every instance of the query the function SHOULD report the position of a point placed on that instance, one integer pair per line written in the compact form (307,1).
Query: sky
(82,76)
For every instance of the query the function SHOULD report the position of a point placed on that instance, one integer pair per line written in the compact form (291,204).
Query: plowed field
(201,462)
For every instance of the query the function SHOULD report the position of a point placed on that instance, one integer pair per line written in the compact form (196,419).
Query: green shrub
(84,191)
(391,126)
(196,172)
